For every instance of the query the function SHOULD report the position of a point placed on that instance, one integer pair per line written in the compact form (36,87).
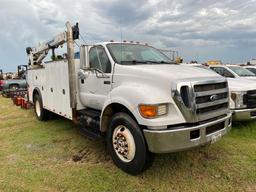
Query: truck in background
(233,71)
(16,84)
(242,85)
(1,79)
(130,94)
(242,93)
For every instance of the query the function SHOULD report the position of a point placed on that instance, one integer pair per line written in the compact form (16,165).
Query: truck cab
(135,97)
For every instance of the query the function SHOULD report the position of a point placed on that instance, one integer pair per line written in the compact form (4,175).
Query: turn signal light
(148,111)
(152,111)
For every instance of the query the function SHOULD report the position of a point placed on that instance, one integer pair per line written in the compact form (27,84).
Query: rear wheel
(127,145)
(41,113)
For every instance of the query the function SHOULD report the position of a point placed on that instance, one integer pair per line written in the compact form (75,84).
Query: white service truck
(132,95)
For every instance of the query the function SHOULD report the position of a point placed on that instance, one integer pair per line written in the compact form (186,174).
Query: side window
(98,59)
(222,71)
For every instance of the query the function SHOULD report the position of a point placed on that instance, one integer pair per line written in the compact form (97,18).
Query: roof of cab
(118,42)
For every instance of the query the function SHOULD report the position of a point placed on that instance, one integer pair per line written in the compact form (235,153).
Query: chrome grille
(202,100)
(249,99)
(211,99)
(210,86)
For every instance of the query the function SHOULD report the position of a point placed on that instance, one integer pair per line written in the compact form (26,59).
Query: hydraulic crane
(37,54)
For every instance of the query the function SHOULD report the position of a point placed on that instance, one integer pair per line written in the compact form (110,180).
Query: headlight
(238,99)
(153,111)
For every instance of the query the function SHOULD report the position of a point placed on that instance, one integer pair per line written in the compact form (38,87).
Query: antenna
(76,43)
(82,38)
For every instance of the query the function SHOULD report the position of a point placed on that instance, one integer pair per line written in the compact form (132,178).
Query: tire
(14,87)
(41,113)
(126,145)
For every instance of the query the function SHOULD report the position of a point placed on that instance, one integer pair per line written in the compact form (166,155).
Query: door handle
(107,82)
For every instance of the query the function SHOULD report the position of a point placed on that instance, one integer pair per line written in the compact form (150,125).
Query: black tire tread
(44,113)
(143,158)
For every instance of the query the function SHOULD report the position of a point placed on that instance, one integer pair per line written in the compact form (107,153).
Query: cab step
(89,121)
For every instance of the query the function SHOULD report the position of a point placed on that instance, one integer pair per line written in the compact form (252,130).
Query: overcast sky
(200,30)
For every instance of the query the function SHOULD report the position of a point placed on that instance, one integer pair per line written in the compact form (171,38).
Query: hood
(170,71)
(241,84)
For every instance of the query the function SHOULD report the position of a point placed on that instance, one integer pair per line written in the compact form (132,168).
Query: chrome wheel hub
(123,143)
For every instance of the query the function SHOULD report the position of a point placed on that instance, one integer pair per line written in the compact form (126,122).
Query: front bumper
(179,139)
(243,114)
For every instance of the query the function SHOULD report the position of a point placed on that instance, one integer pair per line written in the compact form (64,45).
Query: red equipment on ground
(22,102)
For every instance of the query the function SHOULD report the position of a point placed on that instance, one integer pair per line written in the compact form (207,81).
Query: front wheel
(126,144)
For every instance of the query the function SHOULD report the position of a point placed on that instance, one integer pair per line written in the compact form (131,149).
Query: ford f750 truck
(132,95)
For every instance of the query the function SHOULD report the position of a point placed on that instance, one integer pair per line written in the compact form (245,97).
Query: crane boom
(37,54)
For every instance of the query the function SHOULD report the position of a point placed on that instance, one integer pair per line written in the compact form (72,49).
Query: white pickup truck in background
(242,86)
(233,71)
(242,91)
(132,95)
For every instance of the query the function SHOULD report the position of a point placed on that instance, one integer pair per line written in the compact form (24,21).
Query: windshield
(242,72)
(253,70)
(128,54)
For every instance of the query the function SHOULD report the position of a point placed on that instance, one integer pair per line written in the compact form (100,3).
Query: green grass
(38,156)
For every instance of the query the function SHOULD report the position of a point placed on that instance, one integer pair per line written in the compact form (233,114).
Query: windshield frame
(134,62)
(233,69)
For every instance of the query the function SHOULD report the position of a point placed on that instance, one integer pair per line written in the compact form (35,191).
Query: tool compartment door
(57,92)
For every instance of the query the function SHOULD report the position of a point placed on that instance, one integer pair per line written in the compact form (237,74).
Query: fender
(39,92)
(130,96)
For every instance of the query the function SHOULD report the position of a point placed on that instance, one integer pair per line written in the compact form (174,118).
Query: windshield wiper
(160,62)
(146,62)
(134,62)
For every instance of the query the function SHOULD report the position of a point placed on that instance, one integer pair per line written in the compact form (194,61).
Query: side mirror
(84,62)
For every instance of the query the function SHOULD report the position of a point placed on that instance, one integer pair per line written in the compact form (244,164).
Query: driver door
(96,82)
